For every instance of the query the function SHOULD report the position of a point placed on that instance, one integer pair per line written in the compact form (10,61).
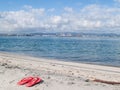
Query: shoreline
(59,60)
(55,73)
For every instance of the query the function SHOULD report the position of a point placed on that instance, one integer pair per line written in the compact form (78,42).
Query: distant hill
(66,34)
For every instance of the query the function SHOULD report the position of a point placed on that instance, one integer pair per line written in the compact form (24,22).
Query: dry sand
(57,75)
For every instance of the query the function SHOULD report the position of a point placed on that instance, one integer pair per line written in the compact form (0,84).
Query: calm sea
(86,50)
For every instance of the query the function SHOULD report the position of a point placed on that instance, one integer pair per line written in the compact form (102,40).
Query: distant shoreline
(65,34)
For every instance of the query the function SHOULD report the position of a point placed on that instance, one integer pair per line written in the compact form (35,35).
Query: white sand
(57,75)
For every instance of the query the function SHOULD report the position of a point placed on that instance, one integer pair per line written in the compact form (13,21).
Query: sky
(95,16)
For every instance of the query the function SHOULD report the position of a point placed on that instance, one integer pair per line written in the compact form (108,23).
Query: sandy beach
(56,75)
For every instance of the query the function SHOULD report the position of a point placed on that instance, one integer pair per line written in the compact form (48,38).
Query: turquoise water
(96,51)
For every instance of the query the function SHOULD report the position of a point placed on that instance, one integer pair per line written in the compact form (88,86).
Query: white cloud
(56,19)
(92,17)
(68,9)
(51,9)
(117,1)
(27,7)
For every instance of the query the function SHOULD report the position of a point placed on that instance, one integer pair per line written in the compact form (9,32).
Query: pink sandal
(34,81)
(25,80)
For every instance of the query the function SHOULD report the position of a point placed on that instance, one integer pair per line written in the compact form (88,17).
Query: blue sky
(60,15)
(59,4)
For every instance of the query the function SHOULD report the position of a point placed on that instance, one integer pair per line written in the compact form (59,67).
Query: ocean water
(86,50)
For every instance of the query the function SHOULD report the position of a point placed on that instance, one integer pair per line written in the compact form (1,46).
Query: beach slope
(56,75)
